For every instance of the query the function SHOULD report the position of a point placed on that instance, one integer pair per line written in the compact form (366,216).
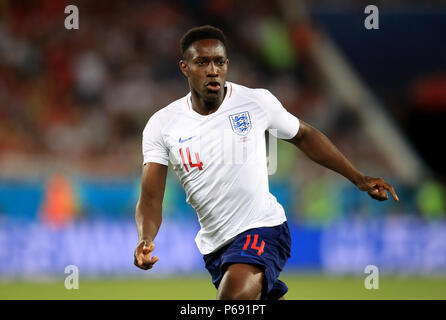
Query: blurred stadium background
(73,104)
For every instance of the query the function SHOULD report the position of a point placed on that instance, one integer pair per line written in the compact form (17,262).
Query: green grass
(301,286)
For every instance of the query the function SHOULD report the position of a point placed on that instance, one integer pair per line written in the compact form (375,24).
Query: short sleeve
(286,124)
(153,147)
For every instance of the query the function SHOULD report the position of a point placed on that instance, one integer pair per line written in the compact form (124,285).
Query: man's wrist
(358,179)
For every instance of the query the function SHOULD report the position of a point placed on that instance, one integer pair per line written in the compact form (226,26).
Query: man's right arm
(148,215)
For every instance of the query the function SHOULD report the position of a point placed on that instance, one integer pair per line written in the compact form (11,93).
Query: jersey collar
(229,89)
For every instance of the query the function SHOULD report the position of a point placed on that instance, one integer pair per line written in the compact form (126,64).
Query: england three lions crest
(240,123)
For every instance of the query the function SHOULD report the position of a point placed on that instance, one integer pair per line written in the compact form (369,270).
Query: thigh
(241,282)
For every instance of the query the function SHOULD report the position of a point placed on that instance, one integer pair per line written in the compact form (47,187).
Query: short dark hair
(200,33)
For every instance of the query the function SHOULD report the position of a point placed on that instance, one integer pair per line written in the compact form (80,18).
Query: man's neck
(206,107)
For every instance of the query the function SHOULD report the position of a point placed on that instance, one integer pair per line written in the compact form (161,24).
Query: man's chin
(212,94)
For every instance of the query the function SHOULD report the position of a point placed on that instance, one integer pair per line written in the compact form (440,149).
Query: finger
(382,193)
(143,258)
(392,191)
(376,198)
(144,267)
(140,265)
(148,248)
(137,259)
(371,184)
(152,261)
(149,264)
(147,258)
(380,196)
(375,182)
(374,193)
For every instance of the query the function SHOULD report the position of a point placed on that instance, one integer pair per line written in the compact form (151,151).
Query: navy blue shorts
(267,248)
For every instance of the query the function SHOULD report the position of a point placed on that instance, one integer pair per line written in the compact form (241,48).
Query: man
(244,235)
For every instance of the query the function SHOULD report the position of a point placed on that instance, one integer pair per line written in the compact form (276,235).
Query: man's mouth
(213,85)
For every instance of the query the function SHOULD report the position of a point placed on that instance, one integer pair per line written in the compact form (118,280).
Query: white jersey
(220,160)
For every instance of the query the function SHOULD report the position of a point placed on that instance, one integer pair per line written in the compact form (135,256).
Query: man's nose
(212,70)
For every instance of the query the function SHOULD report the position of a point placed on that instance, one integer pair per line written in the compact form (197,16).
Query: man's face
(205,65)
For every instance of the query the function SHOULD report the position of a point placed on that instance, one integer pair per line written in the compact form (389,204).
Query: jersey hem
(251,226)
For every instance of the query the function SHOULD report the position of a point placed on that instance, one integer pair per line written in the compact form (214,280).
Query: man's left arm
(321,150)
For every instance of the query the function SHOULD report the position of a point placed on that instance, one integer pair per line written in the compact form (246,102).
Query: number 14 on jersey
(199,164)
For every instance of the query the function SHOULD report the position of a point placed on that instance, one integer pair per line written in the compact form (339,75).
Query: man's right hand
(142,255)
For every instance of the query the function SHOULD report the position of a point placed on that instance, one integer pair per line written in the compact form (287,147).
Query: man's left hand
(377,188)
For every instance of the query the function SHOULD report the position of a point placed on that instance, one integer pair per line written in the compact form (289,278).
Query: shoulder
(259,96)
(165,115)
(262,98)
(255,94)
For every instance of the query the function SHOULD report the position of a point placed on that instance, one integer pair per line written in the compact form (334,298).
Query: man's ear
(184,68)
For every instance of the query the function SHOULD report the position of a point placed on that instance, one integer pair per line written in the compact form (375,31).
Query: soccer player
(244,236)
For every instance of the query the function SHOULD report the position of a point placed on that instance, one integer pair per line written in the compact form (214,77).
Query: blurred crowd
(76,101)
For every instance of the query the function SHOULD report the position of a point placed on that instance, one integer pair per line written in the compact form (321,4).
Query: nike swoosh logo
(247,255)
(181,141)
